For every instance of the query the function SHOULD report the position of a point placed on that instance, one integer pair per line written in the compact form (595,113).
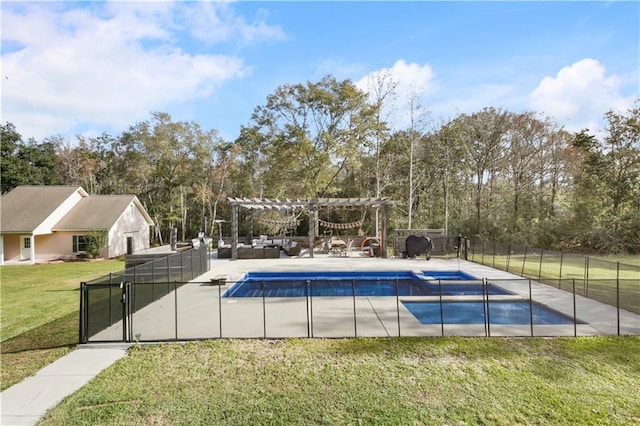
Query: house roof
(96,212)
(26,207)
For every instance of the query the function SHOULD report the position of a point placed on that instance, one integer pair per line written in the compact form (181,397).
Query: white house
(42,223)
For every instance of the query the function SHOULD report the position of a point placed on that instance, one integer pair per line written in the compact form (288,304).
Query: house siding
(11,243)
(131,223)
(58,245)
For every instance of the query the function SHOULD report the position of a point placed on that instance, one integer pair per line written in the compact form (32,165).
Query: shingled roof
(95,212)
(26,207)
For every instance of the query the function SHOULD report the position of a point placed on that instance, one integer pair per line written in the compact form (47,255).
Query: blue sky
(74,68)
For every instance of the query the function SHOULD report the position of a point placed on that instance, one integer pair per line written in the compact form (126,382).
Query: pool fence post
(175,307)
(355,320)
(508,256)
(586,281)
(398,306)
(128,306)
(153,280)
(540,265)
(306,297)
(82,317)
(182,266)
(494,254)
(524,260)
(110,304)
(310,309)
(584,273)
(560,273)
(618,295)
(220,305)
(485,288)
(530,307)
(192,270)
(168,275)
(441,307)
(123,301)
(575,320)
(264,312)
(130,309)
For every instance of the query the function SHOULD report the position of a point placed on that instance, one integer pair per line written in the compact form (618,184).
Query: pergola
(311,206)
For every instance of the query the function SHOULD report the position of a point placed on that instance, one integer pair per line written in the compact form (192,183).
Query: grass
(39,313)
(629,259)
(604,277)
(589,380)
(572,266)
(339,381)
(38,294)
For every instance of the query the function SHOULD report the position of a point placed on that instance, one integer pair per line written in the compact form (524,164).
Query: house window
(27,242)
(79,243)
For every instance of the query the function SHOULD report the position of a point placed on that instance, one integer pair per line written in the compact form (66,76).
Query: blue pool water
(474,312)
(301,284)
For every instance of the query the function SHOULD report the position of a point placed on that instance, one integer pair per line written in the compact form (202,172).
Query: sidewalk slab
(28,401)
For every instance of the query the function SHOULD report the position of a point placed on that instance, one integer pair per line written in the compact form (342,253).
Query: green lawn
(556,381)
(39,313)
(629,259)
(573,266)
(598,278)
(33,295)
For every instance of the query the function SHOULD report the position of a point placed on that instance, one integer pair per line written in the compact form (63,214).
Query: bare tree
(417,123)
(382,93)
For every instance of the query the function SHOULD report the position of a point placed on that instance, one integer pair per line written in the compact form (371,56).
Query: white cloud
(412,81)
(214,22)
(104,64)
(579,95)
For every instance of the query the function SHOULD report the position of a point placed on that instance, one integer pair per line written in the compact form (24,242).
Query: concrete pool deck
(196,311)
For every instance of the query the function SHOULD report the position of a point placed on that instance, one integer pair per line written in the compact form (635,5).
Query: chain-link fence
(613,283)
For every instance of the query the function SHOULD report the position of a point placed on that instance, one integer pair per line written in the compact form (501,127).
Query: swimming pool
(475,312)
(349,283)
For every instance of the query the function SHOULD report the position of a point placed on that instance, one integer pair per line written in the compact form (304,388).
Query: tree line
(497,174)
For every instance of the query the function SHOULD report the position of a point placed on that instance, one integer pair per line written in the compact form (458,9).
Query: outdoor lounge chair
(346,251)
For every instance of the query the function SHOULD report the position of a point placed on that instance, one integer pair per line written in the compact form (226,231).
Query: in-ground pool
(475,312)
(349,283)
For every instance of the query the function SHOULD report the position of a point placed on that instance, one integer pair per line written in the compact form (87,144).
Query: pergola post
(383,237)
(313,222)
(234,231)
(250,236)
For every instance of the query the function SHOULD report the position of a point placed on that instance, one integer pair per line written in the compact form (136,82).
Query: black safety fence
(613,283)
(352,307)
(110,300)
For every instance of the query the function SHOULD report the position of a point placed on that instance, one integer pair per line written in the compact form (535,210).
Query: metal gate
(105,306)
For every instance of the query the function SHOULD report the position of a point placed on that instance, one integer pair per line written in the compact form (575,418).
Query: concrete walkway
(28,401)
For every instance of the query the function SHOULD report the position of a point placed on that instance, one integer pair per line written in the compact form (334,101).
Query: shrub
(95,242)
